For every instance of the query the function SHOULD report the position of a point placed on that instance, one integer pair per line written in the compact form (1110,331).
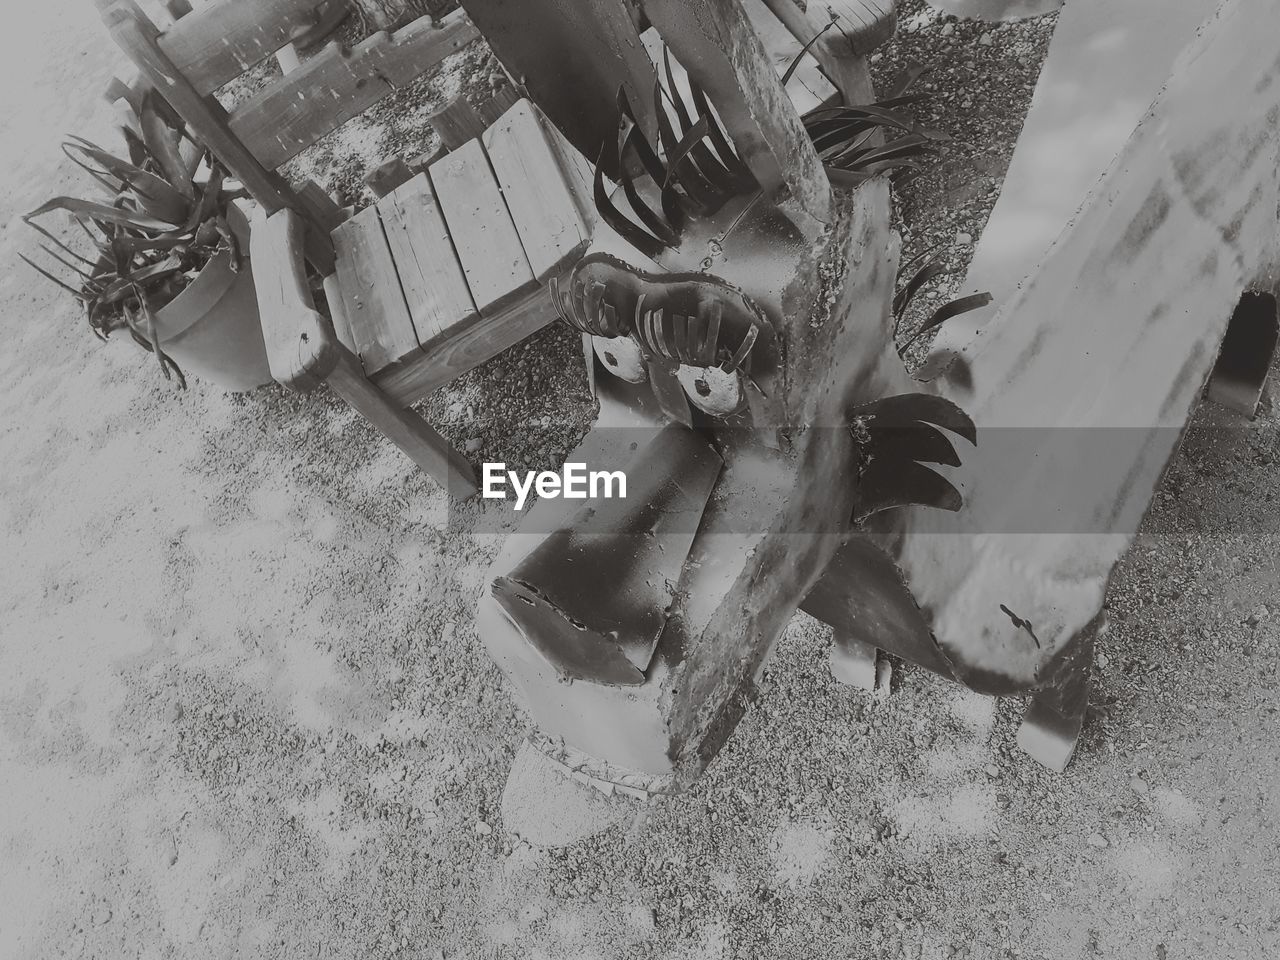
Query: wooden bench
(449,268)
(441,274)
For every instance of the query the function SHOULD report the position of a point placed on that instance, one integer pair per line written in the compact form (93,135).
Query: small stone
(1098,840)
(483,829)
(174,712)
(1139,786)
(992,770)
(963,239)
(985,40)
(1261,615)
(474,444)
(948,29)
(101,915)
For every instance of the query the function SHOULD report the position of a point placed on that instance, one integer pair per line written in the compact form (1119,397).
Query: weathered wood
(538,193)
(435,288)
(859,25)
(469,347)
(283,119)
(1082,384)
(138,38)
(492,109)
(388,175)
(177,8)
(571,57)
(488,245)
(338,312)
(422,444)
(322,208)
(456,122)
(224,38)
(287,58)
(300,343)
(808,87)
(718,47)
(371,296)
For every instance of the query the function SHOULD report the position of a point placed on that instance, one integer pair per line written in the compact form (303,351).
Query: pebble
(1139,786)
(964,239)
(474,444)
(1098,840)
(985,40)
(483,829)
(948,29)
(992,770)
(174,712)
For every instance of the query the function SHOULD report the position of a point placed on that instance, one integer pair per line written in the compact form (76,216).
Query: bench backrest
(213,44)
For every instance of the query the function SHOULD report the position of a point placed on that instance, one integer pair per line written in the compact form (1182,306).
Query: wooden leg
(406,429)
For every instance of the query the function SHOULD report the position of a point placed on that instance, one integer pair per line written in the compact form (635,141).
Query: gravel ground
(243,709)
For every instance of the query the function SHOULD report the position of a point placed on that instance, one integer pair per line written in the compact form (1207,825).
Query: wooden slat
(434,286)
(486,240)
(371,296)
(536,189)
(470,347)
(295,111)
(222,39)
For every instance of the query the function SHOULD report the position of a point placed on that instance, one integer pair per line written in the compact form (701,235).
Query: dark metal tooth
(711,341)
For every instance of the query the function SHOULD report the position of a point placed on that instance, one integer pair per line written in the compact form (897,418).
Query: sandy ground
(244,713)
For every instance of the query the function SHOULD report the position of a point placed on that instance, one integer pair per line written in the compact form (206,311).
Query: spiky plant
(163,218)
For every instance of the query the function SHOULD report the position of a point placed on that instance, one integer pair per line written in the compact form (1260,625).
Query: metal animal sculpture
(739,336)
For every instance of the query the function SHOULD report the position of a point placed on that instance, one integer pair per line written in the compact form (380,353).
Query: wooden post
(572,56)
(718,47)
(456,123)
(386,177)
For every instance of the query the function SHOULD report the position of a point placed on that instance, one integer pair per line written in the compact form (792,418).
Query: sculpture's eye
(622,356)
(712,390)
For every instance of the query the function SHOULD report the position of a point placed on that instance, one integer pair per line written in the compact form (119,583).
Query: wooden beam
(571,57)
(715,42)
(224,38)
(283,119)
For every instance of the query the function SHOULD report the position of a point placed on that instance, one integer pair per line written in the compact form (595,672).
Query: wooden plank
(715,42)
(571,57)
(300,344)
(294,112)
(222,39)
(420,442)
(808,87)
(486,240)
(469,347)
(536,189)
(138,38)
(435,288)
(371,296)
